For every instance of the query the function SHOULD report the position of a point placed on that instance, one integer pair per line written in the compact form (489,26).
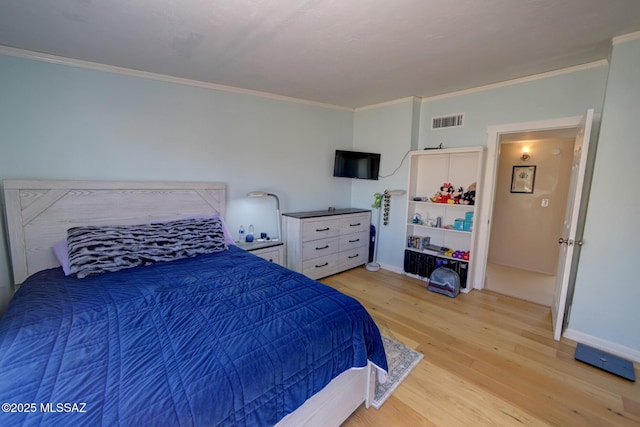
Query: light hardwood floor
(489,360)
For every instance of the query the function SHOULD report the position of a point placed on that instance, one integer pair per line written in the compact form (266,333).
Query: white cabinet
(321,243)
(428,171)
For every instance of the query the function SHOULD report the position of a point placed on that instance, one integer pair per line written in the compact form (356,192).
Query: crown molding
(595,64)
(626,38)
(388,103)
(60,60)
(534,77)
(95,66)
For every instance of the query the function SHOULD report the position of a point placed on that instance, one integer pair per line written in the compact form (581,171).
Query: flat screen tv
(355,164)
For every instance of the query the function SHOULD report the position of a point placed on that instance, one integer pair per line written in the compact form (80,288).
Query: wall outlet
(545,203)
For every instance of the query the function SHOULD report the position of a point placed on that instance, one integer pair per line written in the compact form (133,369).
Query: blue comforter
(220,339)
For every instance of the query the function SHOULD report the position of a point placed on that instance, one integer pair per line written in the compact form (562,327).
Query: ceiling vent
(442,122)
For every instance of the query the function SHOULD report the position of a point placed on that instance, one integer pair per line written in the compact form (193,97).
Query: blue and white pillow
(99,249)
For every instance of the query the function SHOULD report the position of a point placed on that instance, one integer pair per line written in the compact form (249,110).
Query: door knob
(562,241)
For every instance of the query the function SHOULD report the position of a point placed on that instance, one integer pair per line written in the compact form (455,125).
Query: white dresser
(322,243)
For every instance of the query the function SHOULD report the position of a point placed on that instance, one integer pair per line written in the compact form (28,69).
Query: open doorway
(523,251)
(570,240)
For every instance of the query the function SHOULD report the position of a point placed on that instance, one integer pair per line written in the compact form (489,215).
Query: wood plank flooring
(489,360)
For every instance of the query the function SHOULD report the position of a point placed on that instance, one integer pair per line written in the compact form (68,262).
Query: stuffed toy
(377,201)
(444,194)
(456,195)
(469,197)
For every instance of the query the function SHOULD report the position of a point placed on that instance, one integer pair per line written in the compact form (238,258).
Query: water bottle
(249,237)
(241,234)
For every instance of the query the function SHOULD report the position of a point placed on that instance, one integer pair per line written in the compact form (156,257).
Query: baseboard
(391,268)
(604,345)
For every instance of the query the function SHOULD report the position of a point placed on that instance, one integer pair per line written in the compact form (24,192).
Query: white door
(568,239)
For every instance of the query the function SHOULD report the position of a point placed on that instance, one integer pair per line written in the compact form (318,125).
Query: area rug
(401,360)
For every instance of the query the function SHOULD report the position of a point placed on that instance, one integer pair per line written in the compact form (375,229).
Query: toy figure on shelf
(444,195)
(445,192)
(469,197)
(456,195)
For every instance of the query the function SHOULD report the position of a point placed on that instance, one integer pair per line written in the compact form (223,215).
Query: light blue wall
(61,122)
(390,130)
(563,95)
(607,297)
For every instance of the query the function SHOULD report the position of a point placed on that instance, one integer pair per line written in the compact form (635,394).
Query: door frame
(488,187)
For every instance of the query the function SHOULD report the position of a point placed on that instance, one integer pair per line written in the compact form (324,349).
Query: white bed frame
(38,214)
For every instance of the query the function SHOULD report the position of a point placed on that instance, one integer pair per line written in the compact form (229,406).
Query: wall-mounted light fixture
(525,154)
(263,194)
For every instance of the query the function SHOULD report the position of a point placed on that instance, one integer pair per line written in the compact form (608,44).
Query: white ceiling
(349,53)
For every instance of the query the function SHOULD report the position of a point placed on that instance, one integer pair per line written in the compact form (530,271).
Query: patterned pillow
(99,249)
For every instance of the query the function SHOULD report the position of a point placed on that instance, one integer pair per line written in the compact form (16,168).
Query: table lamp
(263,194)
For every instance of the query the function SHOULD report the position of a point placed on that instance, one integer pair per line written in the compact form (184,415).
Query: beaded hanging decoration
(387,207)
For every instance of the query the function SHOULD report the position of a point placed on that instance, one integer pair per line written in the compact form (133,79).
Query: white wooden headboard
(38,213)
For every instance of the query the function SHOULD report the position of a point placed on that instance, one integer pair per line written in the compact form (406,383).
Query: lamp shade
(264,194)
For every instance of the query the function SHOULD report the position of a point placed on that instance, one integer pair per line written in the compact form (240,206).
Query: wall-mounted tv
(355,164)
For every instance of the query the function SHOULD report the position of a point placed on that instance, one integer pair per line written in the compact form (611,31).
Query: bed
(216,338)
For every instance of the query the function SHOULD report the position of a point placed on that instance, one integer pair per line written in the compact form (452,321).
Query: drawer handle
(354,256)
(322,265)
(353,241)
(324,247)
(322,229)
(354,225)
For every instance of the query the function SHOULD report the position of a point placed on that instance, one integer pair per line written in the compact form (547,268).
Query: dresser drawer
(313,230)
(271,254)
(354,240)
(353,258)
(355,223)
(322,247)
(320,267)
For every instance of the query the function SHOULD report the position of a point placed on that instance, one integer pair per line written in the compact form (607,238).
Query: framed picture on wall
(522,179)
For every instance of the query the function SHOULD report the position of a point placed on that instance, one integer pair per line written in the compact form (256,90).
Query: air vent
(447,121)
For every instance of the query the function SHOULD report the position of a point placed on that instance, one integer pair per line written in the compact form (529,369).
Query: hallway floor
(522,284)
